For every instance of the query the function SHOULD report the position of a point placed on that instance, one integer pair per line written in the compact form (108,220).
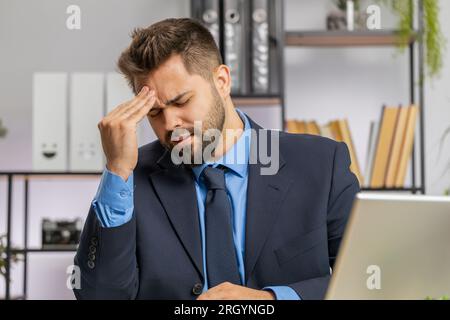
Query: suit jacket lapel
(265,194)
(175,188)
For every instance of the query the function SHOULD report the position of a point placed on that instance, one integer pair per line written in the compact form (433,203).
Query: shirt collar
(236,159)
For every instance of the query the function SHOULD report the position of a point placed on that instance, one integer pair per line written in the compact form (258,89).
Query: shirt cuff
(283,292)
(114,201)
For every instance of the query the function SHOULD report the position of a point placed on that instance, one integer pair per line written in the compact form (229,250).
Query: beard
(215,120)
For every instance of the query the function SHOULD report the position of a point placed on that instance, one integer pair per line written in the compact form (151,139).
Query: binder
(49,121)
(209,14)
(260,46)
(86,110)
(234,43)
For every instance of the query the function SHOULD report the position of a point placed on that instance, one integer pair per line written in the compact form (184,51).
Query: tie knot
(214,178)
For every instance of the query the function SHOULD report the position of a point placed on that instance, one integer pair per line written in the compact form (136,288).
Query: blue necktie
(221,260)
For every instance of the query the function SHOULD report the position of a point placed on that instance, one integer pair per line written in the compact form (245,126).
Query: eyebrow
(178,97)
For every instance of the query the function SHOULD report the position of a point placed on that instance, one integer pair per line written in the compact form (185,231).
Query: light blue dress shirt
(113,202)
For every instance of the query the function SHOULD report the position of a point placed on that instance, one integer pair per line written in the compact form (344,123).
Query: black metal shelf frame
(26,250)
(382,38)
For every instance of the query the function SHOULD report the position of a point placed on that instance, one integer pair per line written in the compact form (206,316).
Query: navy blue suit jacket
(295,223)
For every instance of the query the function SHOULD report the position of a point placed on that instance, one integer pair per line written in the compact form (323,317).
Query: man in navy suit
(217,207)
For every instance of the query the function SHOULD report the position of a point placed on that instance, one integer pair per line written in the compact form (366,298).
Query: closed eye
(154,112)
(179,104)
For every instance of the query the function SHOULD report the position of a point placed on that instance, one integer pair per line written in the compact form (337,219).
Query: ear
(222,80)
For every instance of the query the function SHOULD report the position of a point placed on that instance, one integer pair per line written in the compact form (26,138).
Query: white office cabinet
(49,101)
(86,110)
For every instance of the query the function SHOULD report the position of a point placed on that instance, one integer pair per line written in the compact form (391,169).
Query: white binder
(86,110)
(49,121)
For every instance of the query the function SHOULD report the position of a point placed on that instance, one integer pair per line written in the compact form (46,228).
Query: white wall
(437,117)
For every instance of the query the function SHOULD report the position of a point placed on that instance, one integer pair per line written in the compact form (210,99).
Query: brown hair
(153,45)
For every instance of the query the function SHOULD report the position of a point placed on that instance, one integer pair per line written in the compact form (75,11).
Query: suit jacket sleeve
(106,258)
(344,186)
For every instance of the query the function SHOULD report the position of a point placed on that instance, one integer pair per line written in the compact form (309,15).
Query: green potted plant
(15,257)
(432,37)
(3,130)
(447,166)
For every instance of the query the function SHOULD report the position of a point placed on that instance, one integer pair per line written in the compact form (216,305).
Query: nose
(172,118)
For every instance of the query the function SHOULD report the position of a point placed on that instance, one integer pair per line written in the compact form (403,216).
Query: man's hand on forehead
(118,132)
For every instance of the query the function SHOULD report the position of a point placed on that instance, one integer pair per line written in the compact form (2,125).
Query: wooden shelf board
(343,38)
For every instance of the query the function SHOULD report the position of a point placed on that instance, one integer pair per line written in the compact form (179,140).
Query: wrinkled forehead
(171,79)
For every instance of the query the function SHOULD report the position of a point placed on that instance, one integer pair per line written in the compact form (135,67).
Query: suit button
(92,249)
(197,289)
(91,256)
(91,264)
(94,241)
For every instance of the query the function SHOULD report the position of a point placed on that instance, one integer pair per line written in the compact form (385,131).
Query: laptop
(394,247)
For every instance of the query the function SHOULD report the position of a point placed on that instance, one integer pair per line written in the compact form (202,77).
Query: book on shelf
(383,146)
(301,126)
(373,135)
(389,148)
(337,129)
(312,128)
(326,131)
(395,151)
(347,138)
(341,132)
(407,146)
(291,126)
(305,127)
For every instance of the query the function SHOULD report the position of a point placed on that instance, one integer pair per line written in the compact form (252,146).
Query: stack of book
(338,130)
(389,147)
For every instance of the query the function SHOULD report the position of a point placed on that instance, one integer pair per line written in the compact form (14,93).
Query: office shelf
(412,190)
(33,250)
(257,100)
(50,173)
(344,38)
